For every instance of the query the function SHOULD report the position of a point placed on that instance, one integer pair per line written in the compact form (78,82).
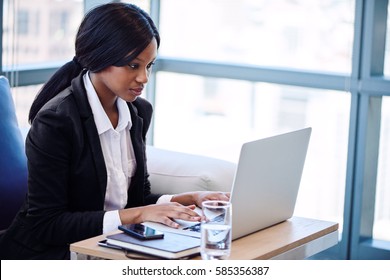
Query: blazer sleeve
(65,203)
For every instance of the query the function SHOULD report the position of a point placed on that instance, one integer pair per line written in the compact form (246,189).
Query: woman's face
(126,82)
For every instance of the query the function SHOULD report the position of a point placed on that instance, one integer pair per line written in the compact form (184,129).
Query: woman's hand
(164,213)
(198,197)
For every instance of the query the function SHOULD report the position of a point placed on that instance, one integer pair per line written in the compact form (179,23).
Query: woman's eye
(133,66)
(136,66)
(150,65)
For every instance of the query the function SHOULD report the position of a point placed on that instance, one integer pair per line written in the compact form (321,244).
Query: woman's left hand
(198,197)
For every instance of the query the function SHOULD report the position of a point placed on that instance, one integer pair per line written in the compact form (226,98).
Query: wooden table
(296,238)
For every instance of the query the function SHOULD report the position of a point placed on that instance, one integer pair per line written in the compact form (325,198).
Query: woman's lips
(137,91)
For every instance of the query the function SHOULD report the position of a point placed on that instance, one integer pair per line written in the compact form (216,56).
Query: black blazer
(67,177)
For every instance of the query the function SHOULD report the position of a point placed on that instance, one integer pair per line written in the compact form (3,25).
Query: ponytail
(58,82)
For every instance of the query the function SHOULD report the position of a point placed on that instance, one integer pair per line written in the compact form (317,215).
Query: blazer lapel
(135,193)
(91,131)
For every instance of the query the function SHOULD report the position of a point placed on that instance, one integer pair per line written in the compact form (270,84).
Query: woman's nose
(143,76)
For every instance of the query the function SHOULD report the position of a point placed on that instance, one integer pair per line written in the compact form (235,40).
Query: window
(387,54)
(381,228)
(145,5)
(23,98)
(313,35)
(36,34)
(251,67)
(45,31)
(218,115)
(22,22)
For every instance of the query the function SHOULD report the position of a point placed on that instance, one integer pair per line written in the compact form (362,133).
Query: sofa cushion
(174,172)
(13,162)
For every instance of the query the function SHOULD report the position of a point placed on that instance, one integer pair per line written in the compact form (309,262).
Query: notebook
(172,246)
(265,186)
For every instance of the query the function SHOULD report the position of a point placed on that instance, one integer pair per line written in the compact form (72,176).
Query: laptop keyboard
(196,227)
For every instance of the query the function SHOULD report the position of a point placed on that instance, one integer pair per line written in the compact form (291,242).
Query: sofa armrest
(174,172)
(13,161)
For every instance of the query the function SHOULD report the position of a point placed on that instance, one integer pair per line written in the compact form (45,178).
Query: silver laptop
(266,183)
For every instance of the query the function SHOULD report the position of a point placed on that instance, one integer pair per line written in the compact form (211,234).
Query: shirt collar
(102,121)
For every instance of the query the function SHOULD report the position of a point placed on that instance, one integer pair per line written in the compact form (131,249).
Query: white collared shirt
(118,155)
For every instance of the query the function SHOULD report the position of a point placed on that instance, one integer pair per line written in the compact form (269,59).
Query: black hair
(112,34)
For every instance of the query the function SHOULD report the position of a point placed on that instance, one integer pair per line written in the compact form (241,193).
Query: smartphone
(141,231)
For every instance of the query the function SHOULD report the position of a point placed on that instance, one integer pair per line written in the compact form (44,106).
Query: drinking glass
(216,237)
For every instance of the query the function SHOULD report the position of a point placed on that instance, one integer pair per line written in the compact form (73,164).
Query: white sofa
(174,172)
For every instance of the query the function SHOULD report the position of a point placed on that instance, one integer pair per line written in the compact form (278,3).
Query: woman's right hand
(161,213)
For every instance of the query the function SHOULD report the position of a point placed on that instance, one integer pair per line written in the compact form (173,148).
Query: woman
(86,145)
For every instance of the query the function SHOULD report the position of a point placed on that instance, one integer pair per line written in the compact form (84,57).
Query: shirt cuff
(111,221)
(164,199)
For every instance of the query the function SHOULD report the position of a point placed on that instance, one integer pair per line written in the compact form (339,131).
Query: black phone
(141,231)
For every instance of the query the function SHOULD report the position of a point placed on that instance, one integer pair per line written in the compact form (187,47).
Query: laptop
(265,186)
